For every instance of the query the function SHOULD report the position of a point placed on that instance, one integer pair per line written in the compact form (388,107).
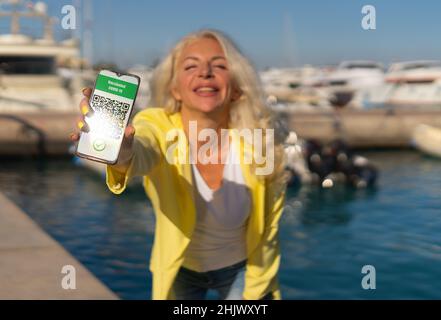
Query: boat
(293,86)
(414,84)
(40,85)
(350,77)
(427,139)
(37,74)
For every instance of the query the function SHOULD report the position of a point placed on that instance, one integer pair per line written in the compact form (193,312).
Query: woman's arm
(137,160)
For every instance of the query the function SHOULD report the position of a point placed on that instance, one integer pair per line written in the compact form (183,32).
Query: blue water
(327,236)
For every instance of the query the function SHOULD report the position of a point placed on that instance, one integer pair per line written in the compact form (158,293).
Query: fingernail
(84,89)
(84,109)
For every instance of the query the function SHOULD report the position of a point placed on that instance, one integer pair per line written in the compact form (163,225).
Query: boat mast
(87,31)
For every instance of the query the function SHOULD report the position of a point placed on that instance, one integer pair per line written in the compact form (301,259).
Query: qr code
(110,114)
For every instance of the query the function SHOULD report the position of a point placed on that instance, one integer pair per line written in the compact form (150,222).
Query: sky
(276,33)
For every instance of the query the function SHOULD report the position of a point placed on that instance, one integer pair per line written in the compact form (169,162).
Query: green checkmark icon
(99,145)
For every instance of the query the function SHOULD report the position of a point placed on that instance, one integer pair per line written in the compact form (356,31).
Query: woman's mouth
(206,91)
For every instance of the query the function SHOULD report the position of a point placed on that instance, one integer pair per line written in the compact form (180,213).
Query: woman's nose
(206,71)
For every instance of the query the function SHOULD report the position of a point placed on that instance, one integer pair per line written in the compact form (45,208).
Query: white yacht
(415,83)
(293,87)
(350,77)
(407,84)
(40,85)
(37,75)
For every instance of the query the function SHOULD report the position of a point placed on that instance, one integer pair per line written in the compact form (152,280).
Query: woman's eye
(221,66)
(189,67)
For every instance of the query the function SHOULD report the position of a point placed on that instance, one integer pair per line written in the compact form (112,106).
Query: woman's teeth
(206,89)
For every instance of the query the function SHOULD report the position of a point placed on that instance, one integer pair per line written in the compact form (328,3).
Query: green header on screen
(116,86)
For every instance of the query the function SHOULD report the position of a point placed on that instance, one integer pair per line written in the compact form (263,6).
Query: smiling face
(203,81)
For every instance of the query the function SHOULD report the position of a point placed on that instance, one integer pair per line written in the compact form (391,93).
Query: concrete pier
(31,262)
(36,133)
(47,133)
(363,128)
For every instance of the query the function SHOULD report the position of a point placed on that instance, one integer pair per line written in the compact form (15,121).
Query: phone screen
(112,101)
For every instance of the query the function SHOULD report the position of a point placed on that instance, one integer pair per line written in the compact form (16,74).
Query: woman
(216,213)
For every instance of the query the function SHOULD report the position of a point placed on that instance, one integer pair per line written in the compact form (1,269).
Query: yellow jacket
(169,187)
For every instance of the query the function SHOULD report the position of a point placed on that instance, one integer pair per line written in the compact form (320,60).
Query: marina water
(327,235)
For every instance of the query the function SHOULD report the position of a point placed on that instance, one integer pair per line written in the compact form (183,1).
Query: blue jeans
(228,282)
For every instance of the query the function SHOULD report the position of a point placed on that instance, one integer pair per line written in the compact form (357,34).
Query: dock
(43,133)
(47,133)
(376,128)
(31,262)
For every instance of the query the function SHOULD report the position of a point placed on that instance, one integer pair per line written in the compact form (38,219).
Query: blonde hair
(248,112)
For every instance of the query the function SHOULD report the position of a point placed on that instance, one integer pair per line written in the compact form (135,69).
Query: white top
(219,238)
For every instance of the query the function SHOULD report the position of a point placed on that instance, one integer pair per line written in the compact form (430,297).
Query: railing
(42,140)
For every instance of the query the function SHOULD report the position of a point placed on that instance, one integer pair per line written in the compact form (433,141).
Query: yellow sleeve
(146,153)
(264,262)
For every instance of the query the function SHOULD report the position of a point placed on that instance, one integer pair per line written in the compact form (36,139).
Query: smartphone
(112,102)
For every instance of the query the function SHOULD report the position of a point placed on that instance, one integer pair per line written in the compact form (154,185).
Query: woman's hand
(126,152)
